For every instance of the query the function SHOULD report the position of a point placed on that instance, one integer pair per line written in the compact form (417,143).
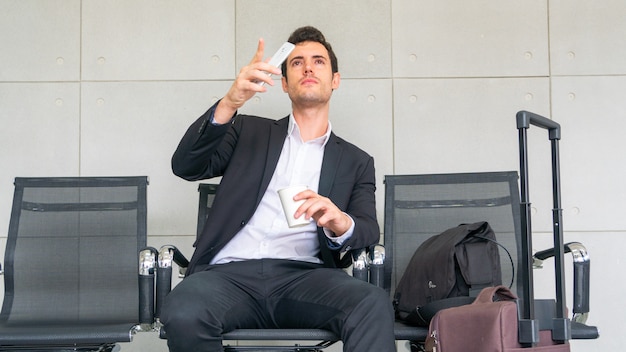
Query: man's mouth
(308,81)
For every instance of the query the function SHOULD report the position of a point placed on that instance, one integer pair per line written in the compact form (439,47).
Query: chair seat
(59,334)
(401,331)
(281,334)
(274,334)
(408,332)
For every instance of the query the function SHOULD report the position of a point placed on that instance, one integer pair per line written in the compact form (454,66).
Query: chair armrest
(582,272)
(581,331)
(167,256)
(360,266)
(377,265)
(147,263)
(369,264)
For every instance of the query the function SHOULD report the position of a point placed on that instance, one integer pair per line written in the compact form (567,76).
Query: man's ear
(336,80)
(284,83)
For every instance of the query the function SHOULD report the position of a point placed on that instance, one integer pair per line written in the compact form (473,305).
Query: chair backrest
(205,201)
(72,250)
(420,206)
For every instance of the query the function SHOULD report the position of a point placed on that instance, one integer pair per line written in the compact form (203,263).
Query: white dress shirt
(267,234)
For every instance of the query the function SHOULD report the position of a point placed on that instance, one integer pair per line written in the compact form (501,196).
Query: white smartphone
(280,55)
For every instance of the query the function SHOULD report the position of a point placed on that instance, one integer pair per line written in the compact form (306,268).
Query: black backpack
(448,270)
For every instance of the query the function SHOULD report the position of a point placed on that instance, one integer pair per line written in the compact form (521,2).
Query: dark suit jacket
(246,153)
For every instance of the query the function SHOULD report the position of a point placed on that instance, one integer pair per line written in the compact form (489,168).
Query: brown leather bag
(488,324)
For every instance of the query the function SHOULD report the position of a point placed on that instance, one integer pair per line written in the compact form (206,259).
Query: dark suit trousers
(272,293)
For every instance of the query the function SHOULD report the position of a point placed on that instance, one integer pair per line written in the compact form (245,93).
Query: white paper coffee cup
(290,206)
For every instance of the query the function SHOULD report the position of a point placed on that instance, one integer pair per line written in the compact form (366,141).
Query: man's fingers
(314,206)
(258,56)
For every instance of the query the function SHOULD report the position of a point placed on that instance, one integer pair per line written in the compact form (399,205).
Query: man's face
(310,79)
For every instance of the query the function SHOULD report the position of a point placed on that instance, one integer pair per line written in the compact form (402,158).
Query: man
(249,269)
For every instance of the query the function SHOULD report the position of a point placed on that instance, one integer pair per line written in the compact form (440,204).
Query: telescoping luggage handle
(528,328)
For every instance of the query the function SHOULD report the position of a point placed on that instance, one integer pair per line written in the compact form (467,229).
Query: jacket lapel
(330,163)
(276,139)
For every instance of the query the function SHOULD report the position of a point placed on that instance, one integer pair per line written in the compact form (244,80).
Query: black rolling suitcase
(544,322)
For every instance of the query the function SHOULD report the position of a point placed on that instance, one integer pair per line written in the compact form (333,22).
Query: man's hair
(311,34)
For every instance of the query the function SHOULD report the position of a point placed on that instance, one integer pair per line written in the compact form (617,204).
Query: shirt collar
(294,129)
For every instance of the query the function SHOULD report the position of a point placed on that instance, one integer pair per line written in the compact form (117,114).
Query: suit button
(243,223)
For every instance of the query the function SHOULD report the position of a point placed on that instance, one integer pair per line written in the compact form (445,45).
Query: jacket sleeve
(362,208)
(202,152)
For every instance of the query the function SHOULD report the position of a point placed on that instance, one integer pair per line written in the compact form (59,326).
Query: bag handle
(507,252)
(500,293)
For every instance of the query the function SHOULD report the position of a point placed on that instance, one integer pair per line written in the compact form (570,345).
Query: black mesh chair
(304,340)
(71,263)
(420,206)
